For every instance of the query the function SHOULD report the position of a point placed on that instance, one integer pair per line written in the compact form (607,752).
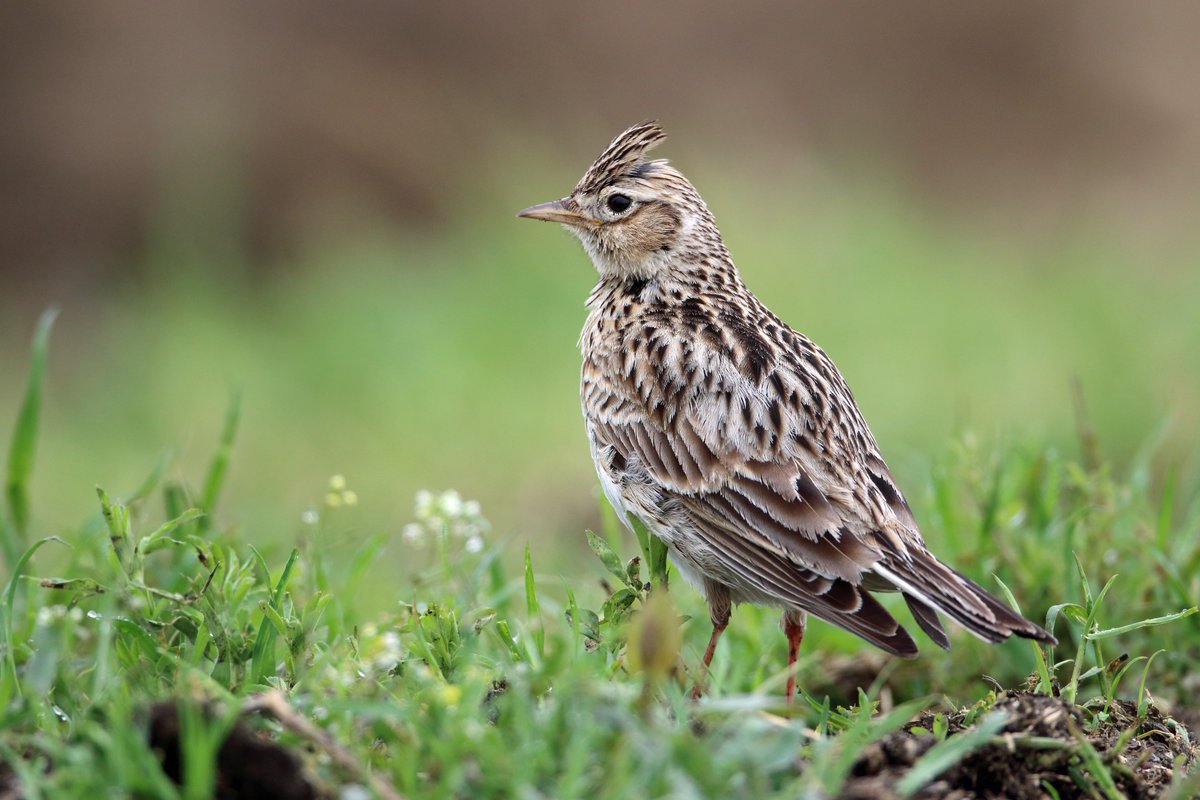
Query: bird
(734,438)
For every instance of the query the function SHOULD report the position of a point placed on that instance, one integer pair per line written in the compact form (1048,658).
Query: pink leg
(719,610)
(718,629)
(793,627)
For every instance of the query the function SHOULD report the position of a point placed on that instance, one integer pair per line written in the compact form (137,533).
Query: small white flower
(353,791)
(391,653)
(413,534)
(452,504)
(48,614)
(447,515)
(424,507)
(310,516)
(391,643)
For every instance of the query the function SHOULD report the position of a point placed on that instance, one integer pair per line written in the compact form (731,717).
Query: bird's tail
(930,586)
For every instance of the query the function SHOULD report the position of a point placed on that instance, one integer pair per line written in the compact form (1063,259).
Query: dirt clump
(1041,747)
(9,790)
(249,766)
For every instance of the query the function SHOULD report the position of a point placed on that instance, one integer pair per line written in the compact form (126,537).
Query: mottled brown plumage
(734,438)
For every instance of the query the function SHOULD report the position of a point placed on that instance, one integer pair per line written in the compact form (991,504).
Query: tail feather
(927,618)
(929,586)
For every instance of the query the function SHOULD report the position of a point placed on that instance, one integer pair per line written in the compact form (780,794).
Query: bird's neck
(713,277)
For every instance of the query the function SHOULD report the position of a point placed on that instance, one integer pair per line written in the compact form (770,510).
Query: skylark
(734,438)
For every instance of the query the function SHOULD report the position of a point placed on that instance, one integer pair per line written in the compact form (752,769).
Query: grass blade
(264,644)
(161,536)
(24,442)
(1045,684)
(1146,623)
(531,601)
(116,519)
(1143,698)
(1165,506)
(7,600)
(1093,607)
(220,461)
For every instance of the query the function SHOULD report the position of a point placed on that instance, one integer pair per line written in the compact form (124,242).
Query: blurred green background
(968,206)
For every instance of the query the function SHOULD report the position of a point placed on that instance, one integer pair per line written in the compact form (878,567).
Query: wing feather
(801,523)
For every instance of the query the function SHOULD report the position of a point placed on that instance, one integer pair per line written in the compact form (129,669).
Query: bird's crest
(624,153)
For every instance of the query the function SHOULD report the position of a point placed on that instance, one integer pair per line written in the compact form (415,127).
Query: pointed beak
(555,211)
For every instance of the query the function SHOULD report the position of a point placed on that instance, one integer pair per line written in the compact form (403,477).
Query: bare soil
(1025,761)
(249,766)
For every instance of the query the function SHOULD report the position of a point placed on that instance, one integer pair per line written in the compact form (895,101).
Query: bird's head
(632,214)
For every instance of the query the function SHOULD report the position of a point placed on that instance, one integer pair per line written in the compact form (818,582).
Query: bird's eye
(619,203)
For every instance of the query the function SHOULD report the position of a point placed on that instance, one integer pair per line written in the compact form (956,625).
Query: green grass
(462,675)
